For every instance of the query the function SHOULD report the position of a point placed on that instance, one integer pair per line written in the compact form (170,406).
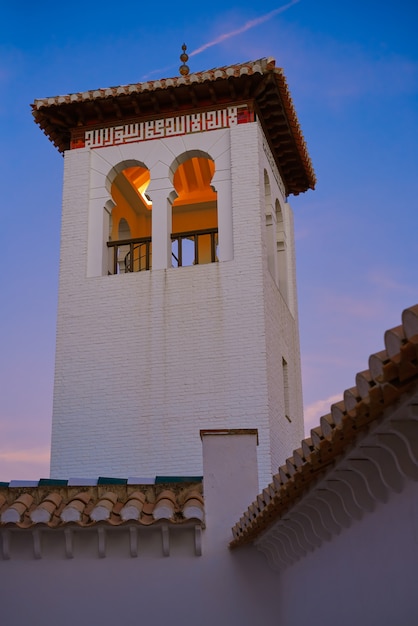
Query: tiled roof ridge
(58,506)
(259,83)
(392,372)
(262,66)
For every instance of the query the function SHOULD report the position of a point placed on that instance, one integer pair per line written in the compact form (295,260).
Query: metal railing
(130,255)
(194,247)
(188,248)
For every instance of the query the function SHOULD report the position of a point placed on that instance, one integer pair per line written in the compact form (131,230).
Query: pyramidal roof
(259,84)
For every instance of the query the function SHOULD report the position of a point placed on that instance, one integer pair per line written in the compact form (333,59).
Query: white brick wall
(146,360)
(281,329)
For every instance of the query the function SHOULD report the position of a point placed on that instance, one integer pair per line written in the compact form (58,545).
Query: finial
(184,69)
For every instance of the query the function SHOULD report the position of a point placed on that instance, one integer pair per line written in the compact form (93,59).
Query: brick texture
(146,360)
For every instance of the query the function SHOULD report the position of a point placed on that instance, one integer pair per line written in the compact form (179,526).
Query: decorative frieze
(134,131)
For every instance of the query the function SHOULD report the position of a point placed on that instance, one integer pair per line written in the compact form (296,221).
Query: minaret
(177,295)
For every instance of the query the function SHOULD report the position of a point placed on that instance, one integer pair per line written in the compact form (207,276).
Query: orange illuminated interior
(195,207)
(131,203)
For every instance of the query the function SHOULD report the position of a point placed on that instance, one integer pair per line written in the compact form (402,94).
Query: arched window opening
(195,214)
(130,225)
(124,234)
(282,262)
(124,230)
(270,229)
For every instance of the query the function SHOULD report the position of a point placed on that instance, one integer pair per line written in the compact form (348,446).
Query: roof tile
(258,83)
(410,322)
(390,375)
(25,507)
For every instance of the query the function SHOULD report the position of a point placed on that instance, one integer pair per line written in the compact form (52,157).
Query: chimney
(230,476)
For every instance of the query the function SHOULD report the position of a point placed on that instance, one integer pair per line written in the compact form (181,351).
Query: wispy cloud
(242,29)
(313,412)
(233,33)
(160,71)
(352,306)
(25,456)
(384,279)
(24,463)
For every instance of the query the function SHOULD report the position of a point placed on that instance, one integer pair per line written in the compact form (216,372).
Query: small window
(286,389)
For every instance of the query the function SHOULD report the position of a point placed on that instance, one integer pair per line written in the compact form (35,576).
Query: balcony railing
(130,255)
(188,248)
(194,247)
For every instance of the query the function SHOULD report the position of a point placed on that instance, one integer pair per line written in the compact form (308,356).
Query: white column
(159,191)
(223,188)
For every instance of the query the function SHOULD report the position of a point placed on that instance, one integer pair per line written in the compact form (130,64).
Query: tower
(177,299)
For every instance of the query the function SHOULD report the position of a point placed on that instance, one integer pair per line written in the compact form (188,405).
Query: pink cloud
(383,278)
(354,307)
(313,412)
(24,464)
(25,456)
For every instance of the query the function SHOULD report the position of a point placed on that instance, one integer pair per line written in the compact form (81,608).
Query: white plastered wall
(365,575)
(219,587)
(145,360)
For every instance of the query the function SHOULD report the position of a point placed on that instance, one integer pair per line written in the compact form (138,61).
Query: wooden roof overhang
(259,84)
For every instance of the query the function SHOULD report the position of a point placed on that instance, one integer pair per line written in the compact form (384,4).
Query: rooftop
(260,84)
(132,510)
(55,505)
(371,428)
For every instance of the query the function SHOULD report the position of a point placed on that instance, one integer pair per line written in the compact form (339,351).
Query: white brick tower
(177,302)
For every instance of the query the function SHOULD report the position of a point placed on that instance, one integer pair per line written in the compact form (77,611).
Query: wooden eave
(259,84)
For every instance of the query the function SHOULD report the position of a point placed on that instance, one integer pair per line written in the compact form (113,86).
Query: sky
(352,69)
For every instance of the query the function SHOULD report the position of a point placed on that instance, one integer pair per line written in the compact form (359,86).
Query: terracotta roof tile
(259,83)
(74,509)
(46,509)
(147,511)
(165,506)
(25,507)
(193,506)
(133,506)
(104,507)
(17,509)
(392,373)
(410,321)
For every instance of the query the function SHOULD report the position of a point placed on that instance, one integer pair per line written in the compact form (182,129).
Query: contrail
(238,31)
(243,29)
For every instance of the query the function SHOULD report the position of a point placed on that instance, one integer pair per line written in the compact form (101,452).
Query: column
(159,191)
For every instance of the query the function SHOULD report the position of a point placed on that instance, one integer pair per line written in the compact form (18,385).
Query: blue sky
(352,69)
